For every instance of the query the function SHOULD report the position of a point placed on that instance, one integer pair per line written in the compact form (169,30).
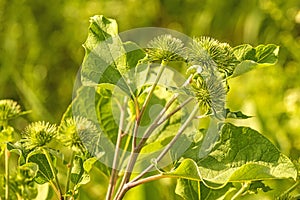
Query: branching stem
(133,156)
(171,143)
(145,180)
(136,148)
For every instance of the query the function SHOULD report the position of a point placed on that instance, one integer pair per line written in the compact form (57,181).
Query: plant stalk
(70,165)
(146,102)
(171,143)
(7,155)
(113,177)
(145,180)
(48,157)
(133,156)
(157,122)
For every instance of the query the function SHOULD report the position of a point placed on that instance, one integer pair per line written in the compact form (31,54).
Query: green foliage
(44,173)
(250,57)
(104,48)
(114,123)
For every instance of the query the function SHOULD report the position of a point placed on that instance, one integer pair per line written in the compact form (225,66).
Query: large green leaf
(44,173)
(244,154)
(105,58)
(105,110)
(251,58)
(241,154)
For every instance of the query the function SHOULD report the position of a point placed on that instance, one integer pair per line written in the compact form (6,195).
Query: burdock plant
(106,124)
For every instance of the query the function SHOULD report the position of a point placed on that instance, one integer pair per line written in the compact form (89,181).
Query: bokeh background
(41,52)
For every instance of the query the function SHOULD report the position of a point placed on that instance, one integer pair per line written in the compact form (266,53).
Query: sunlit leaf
(241,154)
(105,58)
(251,58)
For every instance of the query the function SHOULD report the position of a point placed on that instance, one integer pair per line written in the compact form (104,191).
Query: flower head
(165,47)
(210,94)
(209,52)
(76,132)
(39,134)
(9,109)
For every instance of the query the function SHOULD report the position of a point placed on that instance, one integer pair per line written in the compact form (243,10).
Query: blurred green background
(41,52)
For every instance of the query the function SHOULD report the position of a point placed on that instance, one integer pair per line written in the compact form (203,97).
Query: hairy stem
(127,142)
(146,102)
(58,189)
(157,122)
(163,119)
(133,156)
(70,165)
(171,143)
(145,180)
(113,177)
(7,155)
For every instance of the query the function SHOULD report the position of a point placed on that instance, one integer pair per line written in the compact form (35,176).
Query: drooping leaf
(236,114)
(105,58)
(251,58)
(241,154)
(267,53)
(44,173)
